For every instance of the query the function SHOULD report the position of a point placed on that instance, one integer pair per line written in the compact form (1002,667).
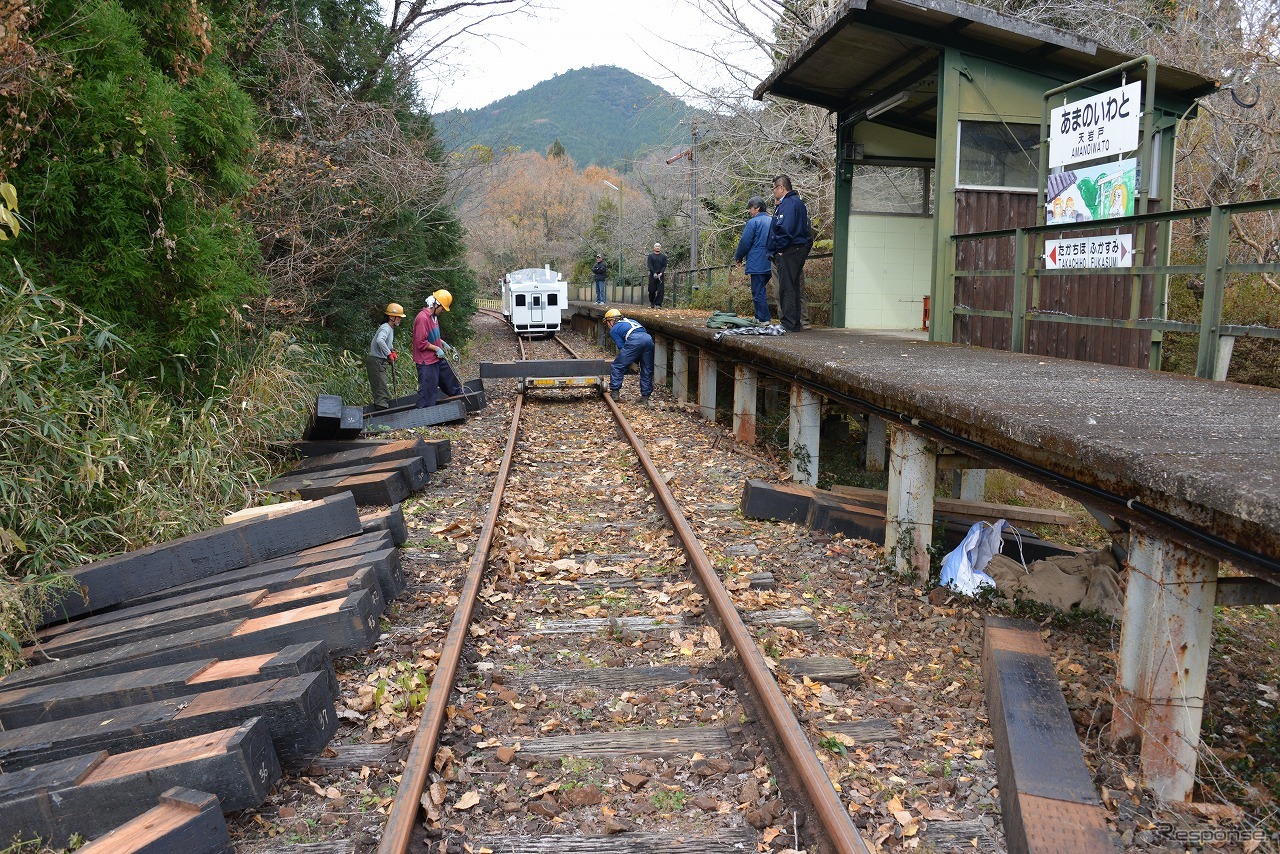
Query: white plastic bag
(962,568)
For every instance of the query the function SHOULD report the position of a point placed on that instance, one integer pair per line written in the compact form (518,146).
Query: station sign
(1110,250)
(1105,125)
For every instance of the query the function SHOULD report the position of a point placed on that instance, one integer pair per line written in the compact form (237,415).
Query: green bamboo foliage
(93,463)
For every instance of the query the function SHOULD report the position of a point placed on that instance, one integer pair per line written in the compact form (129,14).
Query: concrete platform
(1192,458)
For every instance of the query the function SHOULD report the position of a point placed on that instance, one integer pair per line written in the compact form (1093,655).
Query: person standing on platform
(790,239)
(656,261)
(382,355)
(434,373)
(634,345)
(599,270)
(752,248)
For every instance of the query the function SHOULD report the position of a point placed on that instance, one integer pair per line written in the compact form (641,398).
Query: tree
(353,206)
(130,194)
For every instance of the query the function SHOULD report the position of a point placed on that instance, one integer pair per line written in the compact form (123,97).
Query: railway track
(606,693)
(589,684)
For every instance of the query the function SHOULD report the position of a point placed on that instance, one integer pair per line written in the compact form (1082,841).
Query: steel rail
(803,764)
(562,343)
(404,809)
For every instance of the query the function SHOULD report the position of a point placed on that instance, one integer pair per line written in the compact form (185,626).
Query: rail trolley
(533,299)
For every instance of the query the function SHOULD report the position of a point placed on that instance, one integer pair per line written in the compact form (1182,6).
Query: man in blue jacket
(790,239)
(752,248)
(634,345)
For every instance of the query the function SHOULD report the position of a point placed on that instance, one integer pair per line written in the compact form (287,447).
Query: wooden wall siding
(1098,296)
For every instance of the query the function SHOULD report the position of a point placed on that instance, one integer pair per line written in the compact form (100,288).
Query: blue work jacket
(753,245)
(790,226)
(625,330)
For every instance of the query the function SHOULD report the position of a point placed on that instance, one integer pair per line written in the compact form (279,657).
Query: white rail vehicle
(533,299)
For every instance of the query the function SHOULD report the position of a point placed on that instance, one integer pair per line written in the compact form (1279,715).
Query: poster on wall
(1092,193)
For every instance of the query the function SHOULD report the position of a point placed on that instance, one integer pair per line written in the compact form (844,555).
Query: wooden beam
(1234,592)
(325,418)
(184,822)
(446,412)
(344,625)
(106,583)
(256,602)
(390,519)
(72,697)
(89,795)
(298,711)
(375,550)
(975,510)
(403,449)
(1047,799)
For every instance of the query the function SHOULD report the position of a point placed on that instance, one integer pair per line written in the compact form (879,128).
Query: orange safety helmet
(393,309)
(444,298)
(612,314)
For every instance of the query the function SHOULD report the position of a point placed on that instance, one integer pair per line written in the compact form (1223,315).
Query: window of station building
(520,301)
(893,189)
(553,299)
(999,154)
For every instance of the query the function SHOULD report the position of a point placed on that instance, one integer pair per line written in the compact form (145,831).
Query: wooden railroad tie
(1047,799)
(256,602)
(356,573)
(446,412)
(731,840)
(862,517)
(184,822)
(381,484)
(441,448)
(298,711)
(344,625)
(22,707)
(109,582)
(366,453)
(88,795)
(390,519)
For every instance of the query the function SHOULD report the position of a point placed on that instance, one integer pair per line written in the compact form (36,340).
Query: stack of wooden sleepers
(375,472)
(175,682)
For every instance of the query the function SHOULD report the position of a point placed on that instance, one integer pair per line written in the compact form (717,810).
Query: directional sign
(1105,125)
(1112,250)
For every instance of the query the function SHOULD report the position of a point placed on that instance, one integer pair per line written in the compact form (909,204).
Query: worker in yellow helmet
(635,344)
(382,355)
(434,373)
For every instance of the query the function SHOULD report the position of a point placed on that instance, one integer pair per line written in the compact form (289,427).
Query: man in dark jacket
(656,261)
(790,239)
(752,249)
(599,270)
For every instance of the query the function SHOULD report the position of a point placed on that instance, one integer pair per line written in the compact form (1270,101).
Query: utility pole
(693,196)
(618,187)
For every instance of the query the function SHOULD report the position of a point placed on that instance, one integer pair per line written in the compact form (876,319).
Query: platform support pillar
(707,369)
(680,371)
(660,355)
(805,413)
(908,531)
(1164,660)
(970,484)
(876,439)
(745,383)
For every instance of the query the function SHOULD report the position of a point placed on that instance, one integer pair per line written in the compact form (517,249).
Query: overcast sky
(643,36)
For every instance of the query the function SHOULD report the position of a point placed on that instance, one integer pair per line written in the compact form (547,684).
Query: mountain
(602,115)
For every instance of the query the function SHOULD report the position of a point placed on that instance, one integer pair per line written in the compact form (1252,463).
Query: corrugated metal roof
(868,50)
